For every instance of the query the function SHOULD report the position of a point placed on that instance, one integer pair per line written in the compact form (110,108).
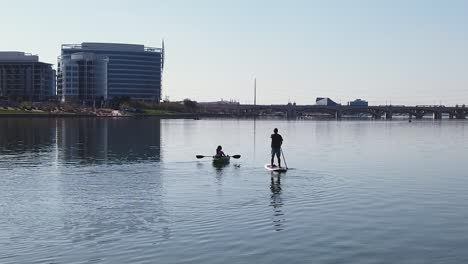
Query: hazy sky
(398,51)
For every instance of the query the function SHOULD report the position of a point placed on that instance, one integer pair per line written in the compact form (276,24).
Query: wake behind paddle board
(275,168)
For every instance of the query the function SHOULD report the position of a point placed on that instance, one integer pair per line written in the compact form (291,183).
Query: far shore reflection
(83,140)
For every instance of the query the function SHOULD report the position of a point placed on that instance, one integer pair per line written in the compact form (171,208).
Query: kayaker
(276,142)
(219,152)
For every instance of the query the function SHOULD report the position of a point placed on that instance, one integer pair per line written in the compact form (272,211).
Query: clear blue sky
(403,52)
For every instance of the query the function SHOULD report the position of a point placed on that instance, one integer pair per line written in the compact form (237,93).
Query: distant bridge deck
(338,111)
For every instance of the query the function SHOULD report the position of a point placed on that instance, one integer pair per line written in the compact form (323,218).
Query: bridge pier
(388,115)
(291,111)
(461,114)
(419,114)
(338,115)
(437,115)
(291,114)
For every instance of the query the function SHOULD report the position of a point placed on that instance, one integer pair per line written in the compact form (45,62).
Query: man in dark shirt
(276,142)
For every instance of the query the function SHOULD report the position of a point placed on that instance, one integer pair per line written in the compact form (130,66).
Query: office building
(358,102)
(325,101)
(82,77)
(24,77)
(132,70)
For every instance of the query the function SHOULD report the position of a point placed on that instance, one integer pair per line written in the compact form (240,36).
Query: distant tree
(119,100)
(191,105)
(171,106)
(26,105)
(124,106)
(69,107)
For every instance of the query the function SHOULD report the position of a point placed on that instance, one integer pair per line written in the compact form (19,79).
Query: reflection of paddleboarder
(276,202)
(276,142)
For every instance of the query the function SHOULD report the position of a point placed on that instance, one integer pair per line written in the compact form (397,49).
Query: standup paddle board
(275,168)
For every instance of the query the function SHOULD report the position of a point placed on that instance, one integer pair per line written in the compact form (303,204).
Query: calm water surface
(132,191)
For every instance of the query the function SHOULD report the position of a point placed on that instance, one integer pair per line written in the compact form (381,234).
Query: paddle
(282,153)
(203,156)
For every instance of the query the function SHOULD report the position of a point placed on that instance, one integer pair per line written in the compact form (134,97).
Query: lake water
(132,191)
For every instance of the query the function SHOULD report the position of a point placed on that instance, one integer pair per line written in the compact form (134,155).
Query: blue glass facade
(132,70)
(82,77)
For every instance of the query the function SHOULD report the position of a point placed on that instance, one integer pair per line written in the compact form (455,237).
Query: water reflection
(25,141)
(22,135)
(254,135)
(276,202)
(82,140)
(109,140)
(220,170)
(343,197)
(219,166)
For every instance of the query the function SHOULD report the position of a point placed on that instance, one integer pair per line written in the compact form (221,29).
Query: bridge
(339,111)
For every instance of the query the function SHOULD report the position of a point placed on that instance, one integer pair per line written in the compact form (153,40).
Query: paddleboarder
(276,142)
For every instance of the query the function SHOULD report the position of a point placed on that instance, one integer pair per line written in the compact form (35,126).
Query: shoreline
(195,116)
(46,115)
(84,115)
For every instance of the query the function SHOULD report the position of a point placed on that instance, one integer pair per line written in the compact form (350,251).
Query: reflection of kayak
(275,168)
(221,160)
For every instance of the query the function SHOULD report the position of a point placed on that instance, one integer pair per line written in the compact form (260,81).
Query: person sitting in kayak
(276,142)
(219,152)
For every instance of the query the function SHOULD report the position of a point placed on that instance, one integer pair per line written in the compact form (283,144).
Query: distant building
(23,75)
(132,70)
(358,102)
(325,101)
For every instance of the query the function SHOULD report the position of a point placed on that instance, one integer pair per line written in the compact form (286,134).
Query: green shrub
(25,105)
